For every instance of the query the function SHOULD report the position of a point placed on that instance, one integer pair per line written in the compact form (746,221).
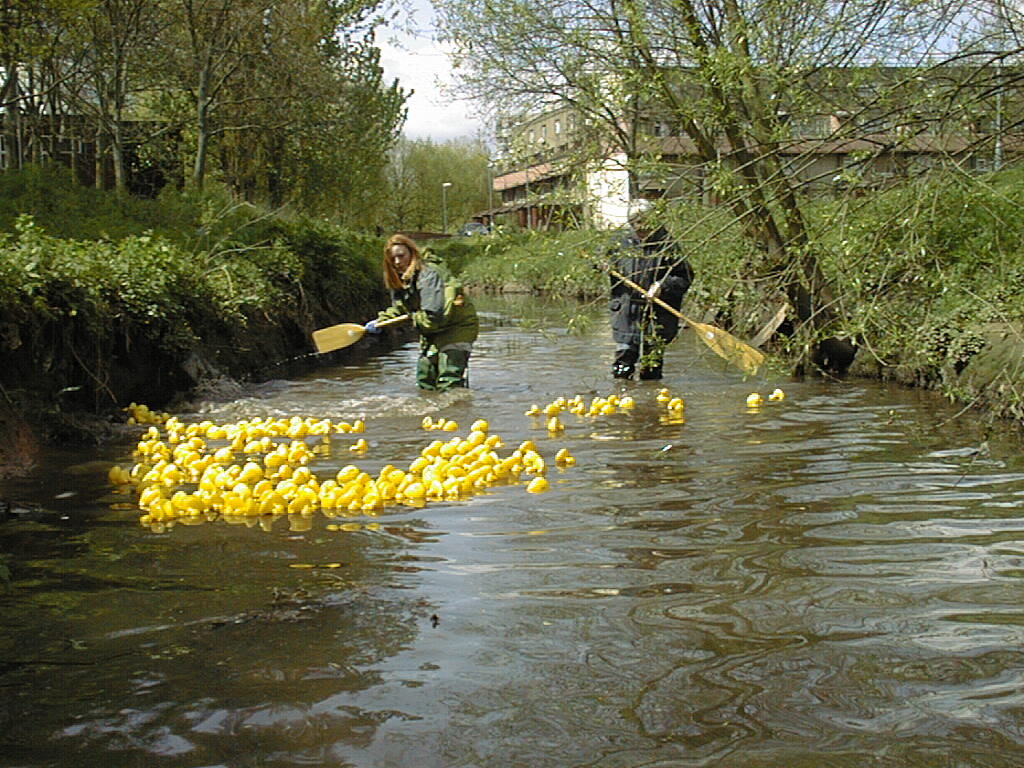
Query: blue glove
(371,327)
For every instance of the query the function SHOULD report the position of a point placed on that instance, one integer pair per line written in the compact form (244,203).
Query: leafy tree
(293,94)
(209,46)
(284,100)
(334,154)
(418,168)
(115,68)
(731,77)
(38,40)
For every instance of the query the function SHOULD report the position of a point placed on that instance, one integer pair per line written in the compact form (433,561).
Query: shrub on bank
(922,271)
(89,325)
(338,277)
(96,321)
(64,208)
(558,263)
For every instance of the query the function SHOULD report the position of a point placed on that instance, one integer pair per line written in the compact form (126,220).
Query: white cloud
(422,65)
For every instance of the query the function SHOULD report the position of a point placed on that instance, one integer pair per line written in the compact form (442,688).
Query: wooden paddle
(346,334)
(723,344)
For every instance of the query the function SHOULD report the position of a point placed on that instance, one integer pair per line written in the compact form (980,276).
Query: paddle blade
(337,336)
(728,347)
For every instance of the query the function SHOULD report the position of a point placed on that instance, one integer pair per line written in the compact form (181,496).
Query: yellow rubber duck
(538,485)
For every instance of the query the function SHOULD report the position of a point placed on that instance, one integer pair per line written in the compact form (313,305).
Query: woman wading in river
(443,315)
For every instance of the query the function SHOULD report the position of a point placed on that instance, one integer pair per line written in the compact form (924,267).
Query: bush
(921,270)
(457,252)
(563,263)
(95,324)
(64,208)
(341,270)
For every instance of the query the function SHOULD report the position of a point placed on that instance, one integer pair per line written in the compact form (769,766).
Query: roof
(519,178)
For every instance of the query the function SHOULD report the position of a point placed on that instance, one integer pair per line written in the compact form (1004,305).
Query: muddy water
(834,579)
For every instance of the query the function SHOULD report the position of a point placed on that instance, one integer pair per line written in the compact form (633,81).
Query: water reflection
(834,579)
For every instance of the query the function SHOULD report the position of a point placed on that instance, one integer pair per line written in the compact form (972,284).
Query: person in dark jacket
(443,315)
(641,328)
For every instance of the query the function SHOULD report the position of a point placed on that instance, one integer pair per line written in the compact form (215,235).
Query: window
(558,127)
(875,124)
(811,126)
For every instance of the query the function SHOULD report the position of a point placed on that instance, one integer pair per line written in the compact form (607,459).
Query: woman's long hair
(392,280)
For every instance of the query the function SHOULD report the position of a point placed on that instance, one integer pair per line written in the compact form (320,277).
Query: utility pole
(490,192)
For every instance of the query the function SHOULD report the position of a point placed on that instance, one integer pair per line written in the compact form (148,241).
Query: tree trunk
(11,117)
(199,166)
(117,154)
(202,135)
(98,181)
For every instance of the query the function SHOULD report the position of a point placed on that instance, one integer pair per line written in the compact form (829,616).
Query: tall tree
(345,121)
(284,100)
(291,95)
(417,170)
(214,41)
(39,40)
(732,74)
(119,51)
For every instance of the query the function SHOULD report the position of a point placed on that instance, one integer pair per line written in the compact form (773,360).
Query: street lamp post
(444,205)
(490,194)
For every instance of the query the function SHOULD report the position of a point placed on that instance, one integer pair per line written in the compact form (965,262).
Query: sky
(421,64)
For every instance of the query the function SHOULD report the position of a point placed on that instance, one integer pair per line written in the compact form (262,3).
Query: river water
(834,579)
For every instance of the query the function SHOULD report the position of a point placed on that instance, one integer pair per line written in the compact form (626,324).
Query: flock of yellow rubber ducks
(259,468)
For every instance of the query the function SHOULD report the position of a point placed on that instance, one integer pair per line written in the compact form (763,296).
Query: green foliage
(223,287)
(142,281)
(333,158)
(64,208)
(562,264)
(343,272)
(194,219)
(921,270)
(720,256)
(458,252)
(415,200)
(285,103)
